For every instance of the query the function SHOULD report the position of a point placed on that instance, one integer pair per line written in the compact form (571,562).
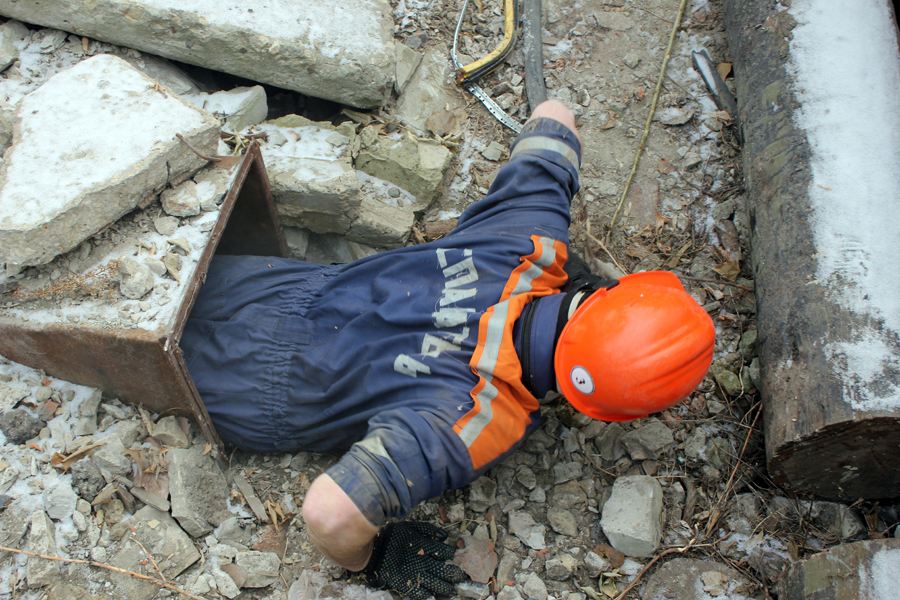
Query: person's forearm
(336,526)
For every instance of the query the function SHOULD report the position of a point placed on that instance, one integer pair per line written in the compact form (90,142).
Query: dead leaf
(148,421)
(61,461)
(616,559)
(270,539)
(724,70)
(729,270)
(610,123)
(445,122)
(665,167)
(237,573)
(172,263)
(207,448)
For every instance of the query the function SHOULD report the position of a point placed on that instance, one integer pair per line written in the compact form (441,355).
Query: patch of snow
(847,71)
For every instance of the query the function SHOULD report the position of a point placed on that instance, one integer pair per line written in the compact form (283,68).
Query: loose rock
(19,426)
(42,540)
(632,515)
(198,490)
(135,279)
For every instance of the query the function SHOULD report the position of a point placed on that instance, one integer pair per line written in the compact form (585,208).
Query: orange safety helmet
(634,349)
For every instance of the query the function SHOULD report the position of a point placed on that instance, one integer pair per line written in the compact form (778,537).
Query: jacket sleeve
(535,188)
(406,457)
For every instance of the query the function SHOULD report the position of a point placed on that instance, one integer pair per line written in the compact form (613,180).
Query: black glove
(410,559)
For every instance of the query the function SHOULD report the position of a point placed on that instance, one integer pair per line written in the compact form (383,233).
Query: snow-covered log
(819,95)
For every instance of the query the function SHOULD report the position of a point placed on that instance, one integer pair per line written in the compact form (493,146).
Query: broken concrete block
(171,549)
(135,279)
(379,224)
(428,91)
(319,195)
(240,107)
(416,165)
(10,32)
(262,568)
(182,200)
(341,52)
(632,515)
(169,433)
(408,61)
(73,174)
(198,491)
(42,540)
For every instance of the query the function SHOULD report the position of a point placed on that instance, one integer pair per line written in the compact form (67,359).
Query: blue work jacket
(404,361)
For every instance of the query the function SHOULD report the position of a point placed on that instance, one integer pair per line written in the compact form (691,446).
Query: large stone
(198,490)
(261,568)
(42,540)
(73,164)
(342,52)
(320,195)
(171,549)
(428,91)
(416,165)
(689,579)
(632,516)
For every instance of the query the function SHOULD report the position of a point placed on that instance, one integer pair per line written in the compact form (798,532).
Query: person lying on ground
(423,366)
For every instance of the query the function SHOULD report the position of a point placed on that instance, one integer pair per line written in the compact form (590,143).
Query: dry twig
(153,562)
(659,83)
(107,567)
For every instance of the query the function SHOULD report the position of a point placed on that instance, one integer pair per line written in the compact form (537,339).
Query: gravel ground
(536,518)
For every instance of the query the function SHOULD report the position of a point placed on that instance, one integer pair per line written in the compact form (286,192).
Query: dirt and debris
(86,478)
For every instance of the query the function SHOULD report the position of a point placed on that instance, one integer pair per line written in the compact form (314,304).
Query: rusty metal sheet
(146,368)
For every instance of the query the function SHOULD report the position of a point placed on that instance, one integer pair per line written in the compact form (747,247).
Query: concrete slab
(338,51)
(74,172)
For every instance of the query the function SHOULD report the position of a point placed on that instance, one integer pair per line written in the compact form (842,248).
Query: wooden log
(827,310)
(860,571)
